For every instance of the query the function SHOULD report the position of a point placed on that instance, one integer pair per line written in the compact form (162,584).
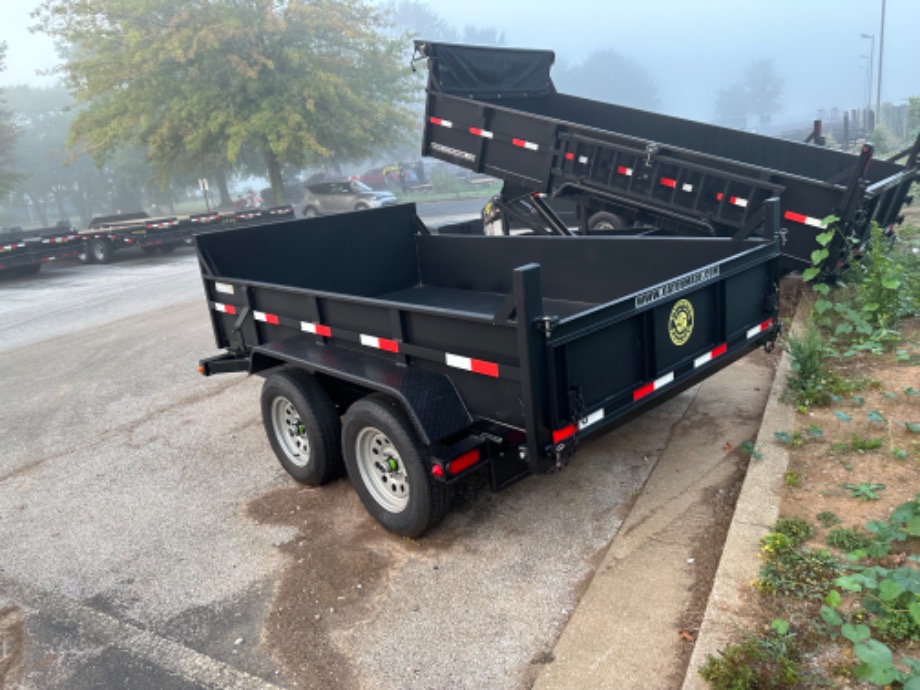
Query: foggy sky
(690,48)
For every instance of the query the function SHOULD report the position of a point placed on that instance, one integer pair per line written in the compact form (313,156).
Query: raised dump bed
(445,354)
(496,111)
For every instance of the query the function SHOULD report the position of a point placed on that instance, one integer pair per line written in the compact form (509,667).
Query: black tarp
(484,72)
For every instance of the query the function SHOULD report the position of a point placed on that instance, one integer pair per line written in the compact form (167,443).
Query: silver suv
(324,198)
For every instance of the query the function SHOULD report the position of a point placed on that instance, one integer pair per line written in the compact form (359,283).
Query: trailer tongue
(414,359)
(496,111)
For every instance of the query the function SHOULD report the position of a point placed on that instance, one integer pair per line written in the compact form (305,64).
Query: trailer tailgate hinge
(546,324)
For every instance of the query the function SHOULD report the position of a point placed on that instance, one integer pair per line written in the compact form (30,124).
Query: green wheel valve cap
(393,464)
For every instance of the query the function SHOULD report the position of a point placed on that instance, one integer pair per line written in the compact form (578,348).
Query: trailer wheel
(361,207)
(303,427)
(386,465)
(101,251)
(606,221)
(310,212)
(167,248)
(149,249)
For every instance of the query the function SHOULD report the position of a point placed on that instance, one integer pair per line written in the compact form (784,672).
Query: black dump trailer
(24,252)
(413,359)
(496,111)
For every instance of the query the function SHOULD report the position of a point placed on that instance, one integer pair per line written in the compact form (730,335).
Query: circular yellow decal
(680,323)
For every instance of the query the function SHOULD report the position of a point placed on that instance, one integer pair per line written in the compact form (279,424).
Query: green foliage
(880,287)
(8,135)
(811,382)
(795,571)
(755,663)
(792,479)
(747,447)
(864,491)
(797,530)
(299,82)
(827,518)
(848,539)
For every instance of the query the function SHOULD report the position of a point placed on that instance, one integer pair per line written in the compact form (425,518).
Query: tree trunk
(225,200)
(274,175)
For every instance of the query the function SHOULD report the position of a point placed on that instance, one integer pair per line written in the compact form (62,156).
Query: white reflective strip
(664,380)
(583,160)
(225,288)
(486,134)
(740,202)
(459,362)
(308,327)
(814,222)
(754,331)
(702,359)
(370,341)
(530,145)
(444,123)
(221,307)
(260,316)
(592,418)
(687,187)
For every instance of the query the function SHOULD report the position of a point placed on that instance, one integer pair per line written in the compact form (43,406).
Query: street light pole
(881,54)
(871,68)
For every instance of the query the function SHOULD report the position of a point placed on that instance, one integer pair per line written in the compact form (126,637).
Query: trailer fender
(429,398)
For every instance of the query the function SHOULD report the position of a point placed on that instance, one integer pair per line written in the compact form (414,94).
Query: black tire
(149,249)
(606,221)
(100,250)
(388,467)
(167,248)
(310,212)
(303,427)
(361,207)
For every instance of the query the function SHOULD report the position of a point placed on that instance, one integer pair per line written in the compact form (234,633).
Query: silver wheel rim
(382,470)
(290,431)
(98,252)
(604,225)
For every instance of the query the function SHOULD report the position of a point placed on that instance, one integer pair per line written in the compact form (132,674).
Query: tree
(757,95)
(8,175)
(608,76)
(193,82)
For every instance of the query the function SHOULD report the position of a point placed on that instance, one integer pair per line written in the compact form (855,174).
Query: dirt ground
(859,442)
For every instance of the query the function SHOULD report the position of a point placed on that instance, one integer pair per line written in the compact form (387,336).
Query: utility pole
(871,68)
(881,54)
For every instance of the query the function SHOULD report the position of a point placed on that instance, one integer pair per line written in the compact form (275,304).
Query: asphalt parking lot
(150,539)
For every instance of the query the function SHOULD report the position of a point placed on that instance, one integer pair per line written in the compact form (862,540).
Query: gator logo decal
(680,323)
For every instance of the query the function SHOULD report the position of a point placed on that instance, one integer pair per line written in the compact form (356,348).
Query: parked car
(324,198)
(386,177)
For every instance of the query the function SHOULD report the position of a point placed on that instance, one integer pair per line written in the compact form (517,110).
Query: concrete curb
(756,511)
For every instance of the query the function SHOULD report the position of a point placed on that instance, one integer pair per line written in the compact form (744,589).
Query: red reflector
(272,319)
(623,170)
(435,120)
(766,324)
(668,182)
(323,331)
(570,156)
(795,217)
(721,350)
(229,309)
(465,461)
(519,142)
(645,390)
(719,196)
(564,433)
(437,470)
(486,368)
(388,345)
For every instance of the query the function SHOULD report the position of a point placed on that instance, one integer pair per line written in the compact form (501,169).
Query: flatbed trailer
(414,359)
(496,111)
(108,234)
(24,252)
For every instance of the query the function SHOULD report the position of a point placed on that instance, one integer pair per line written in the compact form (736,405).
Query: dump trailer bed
(499,352)
(496,111)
